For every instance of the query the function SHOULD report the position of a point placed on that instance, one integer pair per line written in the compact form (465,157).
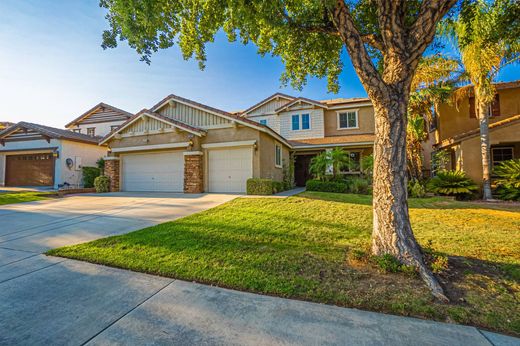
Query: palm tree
(339,159)
(432,84)
(481,33)
(319,165)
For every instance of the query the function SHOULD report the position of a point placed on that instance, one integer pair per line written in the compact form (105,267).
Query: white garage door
(153,172)
(229,169)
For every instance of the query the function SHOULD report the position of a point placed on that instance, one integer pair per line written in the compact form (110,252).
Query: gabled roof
(5,124)
(50,132)
(266,100)
(232,117)
(145,112)
(342,100)
(358,139)
(300,100)
(476,132)
(95,108)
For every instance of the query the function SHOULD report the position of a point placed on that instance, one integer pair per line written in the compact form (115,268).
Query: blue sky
(52,68)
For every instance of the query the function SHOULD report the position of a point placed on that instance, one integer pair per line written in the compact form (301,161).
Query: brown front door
(29,170)
(301,169)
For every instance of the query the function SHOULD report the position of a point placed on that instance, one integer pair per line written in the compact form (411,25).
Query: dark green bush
(453,183)
(508,182)
(89,174)
(358,185)
(326,186)
(257,186)
(102,184)
(416,189)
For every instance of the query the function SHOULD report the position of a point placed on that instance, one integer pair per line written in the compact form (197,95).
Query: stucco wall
(453,121)
(87,153)
(151,139)
(365,121)
(470,149)
(268,170)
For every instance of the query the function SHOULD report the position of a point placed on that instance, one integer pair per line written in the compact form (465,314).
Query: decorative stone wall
(112,171)
(193,172)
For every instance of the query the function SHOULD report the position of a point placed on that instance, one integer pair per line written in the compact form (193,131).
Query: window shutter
(472,113)
(495,110)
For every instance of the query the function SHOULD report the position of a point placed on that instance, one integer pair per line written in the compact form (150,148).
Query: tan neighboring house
(458,130)
(39,155)
(180,145)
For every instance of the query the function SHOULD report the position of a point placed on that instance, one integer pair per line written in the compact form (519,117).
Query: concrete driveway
(55,301)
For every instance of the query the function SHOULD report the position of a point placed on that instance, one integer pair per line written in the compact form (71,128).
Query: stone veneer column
(112,171)
(193,172)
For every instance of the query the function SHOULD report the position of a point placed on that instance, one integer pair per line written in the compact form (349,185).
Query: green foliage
(257,186)
(438,262)
(326,186)
(100,163)
(319,165)
(452,183)
(358,185)
(440,160)
(288,174)
(89,174)
(21,197)
(367,165)
(416,189)
(102,184)
(332,161)
(339,160)
(389,264)
(508,182)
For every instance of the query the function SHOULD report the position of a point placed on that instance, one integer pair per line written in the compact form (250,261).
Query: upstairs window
(501,154)
(77,130)
(263,122)
(277,155)
(348,120)
(306,122)
(91,131)
(295,122)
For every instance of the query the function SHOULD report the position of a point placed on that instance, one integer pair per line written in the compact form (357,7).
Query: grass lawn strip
(20,197)
(301,247)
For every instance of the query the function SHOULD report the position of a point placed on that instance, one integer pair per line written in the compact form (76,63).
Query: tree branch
(373,40)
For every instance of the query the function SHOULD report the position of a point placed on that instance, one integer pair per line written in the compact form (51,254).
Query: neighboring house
(313,126)
(183,146)
(4,124)
(38,155)
(100,120)
(458,130)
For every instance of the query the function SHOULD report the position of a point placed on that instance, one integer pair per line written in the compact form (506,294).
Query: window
(306,124)
(277,155)
(91,131)
(348,120)
(501,154)
(263,121)
(113,128)
(295,122)
(77,130)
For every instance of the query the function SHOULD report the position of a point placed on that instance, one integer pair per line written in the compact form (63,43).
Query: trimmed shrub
(89,174)
(102,184)
(358,185)
(278,186)
(508,182)
(416,189)
(326,186)
(453,183)
(257,186)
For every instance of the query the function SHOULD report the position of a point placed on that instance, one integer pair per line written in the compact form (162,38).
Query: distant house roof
(360,139)
(116,114)
(50,132)
(300,100)
(267,99)
(342,100)
(4,124)
(476,132)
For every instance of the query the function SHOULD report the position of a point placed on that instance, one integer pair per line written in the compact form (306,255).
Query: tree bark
(485,150)
(392,232)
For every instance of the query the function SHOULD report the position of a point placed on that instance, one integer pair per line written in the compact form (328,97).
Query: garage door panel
(30,170)
(153,172)
(229,169)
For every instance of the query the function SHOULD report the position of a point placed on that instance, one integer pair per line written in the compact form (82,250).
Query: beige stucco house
(181,145)
(458,130)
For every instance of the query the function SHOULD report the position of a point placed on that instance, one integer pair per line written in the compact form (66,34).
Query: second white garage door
(229,169)
(153,172)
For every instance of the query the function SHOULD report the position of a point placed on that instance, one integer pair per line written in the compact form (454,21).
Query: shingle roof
(52,132)
(339,140)
(342,100)
(101,104)
(267,99)
(476,132)
(304,99)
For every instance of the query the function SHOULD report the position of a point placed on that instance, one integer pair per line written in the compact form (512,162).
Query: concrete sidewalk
(67,302)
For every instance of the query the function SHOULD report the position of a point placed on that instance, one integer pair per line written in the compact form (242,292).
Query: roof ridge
(100,104)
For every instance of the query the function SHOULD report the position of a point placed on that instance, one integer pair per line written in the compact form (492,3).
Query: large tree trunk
(485,150)
(392,232)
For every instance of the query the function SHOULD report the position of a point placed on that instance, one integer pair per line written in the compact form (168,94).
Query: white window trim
(276,146)
(348,111)
(493,154)
(300,122)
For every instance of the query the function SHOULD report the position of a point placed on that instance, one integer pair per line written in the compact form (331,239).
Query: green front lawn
(302,247)
(19,197)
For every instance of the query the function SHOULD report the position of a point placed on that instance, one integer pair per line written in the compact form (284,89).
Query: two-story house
(39,155)
(458,130)
(313,126)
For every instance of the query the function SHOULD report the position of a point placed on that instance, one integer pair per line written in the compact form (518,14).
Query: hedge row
(257,186)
